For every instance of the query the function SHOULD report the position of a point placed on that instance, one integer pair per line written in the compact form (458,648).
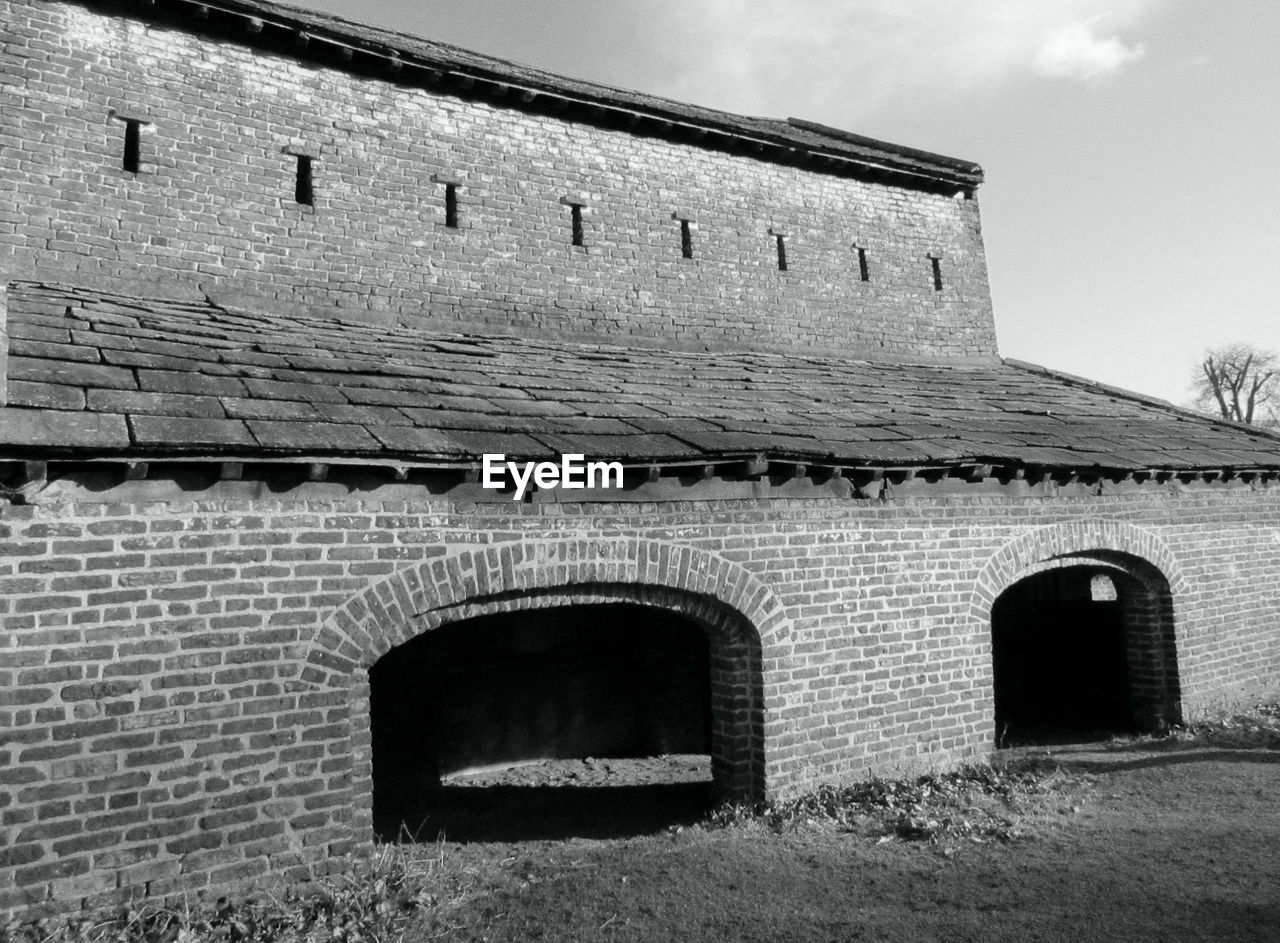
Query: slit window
(686,239)
(575,217)
(782,251)
(864,274)
(451,186)
(936,262)
(132,158)
(451,205)
(304,185)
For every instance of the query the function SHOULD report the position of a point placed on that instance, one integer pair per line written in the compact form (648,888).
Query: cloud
(857,57)
(1074,52)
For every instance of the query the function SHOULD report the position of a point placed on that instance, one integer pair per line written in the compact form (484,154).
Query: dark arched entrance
(1081,652)
(521,690)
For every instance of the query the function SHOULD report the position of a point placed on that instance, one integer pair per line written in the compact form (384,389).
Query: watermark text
(572,472)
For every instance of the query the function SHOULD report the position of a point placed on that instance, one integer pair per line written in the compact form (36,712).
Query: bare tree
(1241,381)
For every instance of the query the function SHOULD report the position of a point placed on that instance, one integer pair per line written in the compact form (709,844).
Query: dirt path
(1157,844)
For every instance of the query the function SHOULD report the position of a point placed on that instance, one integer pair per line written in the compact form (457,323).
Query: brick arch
(731,605)
(1099,539)
(1151,581)
(399,607)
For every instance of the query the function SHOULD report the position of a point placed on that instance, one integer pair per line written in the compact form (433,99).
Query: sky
(1131,147)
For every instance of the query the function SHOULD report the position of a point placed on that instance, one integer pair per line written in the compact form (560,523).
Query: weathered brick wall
(183,686)
(214,201)
(184,695)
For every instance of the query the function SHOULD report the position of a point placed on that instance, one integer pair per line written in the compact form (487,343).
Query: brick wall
(183,686)
(184,694)
(214,201)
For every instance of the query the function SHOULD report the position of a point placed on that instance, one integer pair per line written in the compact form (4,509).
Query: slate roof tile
(45,395)
(71,373)
(512,444)
(618,446)
(736,443)
(361,415)
(134,358)
(152,344)
(194,377)
(62,429)
(532,407)
(20,347)
(288,435)
(298,392)
(585,426)
(130,402)
(176,381)
(477,422)
(33,331)
(406,439)
(187,432)
(241,407)
(417,399)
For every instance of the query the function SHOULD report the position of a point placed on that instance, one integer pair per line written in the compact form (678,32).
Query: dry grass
(373,902)
(979,802)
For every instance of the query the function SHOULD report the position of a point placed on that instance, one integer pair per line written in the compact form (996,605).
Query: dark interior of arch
(1061,651)
(472,723)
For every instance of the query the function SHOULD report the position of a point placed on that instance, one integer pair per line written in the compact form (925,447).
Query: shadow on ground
(1161,842)
(529,813)
(1138,754)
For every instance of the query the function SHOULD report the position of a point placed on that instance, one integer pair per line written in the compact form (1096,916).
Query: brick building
(274,283)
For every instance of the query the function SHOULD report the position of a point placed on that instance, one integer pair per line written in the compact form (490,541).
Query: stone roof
(99,374)
(404,58)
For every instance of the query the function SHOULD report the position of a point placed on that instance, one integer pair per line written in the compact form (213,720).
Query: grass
(405,885)
(981,802)
(374,902)
(1146,838)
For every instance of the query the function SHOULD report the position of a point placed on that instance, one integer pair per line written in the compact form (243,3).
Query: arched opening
(588,719)
(1082,651)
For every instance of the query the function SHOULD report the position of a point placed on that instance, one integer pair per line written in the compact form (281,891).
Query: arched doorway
(738,613)
(1081,650)
(473,723)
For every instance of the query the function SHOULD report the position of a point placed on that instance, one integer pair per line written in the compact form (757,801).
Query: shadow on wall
(527,689)
(529,813)
(1082,652)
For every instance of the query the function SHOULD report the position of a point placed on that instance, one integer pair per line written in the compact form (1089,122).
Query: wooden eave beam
(728,468)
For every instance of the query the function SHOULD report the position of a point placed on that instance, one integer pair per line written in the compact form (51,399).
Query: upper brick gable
(366,50)
(222,126)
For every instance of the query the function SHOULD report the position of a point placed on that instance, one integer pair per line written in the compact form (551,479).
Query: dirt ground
(1137,841)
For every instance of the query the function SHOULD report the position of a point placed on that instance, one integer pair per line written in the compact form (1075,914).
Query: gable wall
(214,202)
